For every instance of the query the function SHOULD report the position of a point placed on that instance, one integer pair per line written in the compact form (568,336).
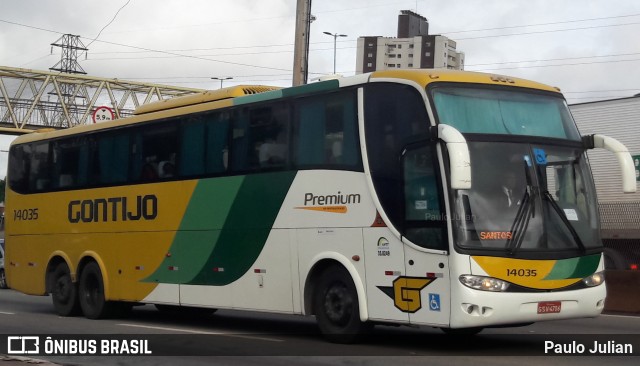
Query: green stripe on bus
(199,230)
(574,268)
(224,229)
(587,266)
(311,88)
(275,94)
(247,228)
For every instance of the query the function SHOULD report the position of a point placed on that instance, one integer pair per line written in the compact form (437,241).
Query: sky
(587,48)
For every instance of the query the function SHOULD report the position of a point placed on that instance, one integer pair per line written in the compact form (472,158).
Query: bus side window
(154,152)
(217,142)
(113,158)
(325,131)
(40,167)
(70,162)
(192,147)
(240,141)
(260,138)
(19,167)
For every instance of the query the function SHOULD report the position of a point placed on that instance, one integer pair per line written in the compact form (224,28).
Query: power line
(154,50)
(600,91)
(570,64)
(542,24)
(193,57)
(554,59)
(214,55)
(547,31)
(108,24)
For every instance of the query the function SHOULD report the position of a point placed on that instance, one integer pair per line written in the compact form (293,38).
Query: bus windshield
(496,111)
(527,197)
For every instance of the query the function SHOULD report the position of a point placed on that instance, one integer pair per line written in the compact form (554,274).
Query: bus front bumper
(475,308)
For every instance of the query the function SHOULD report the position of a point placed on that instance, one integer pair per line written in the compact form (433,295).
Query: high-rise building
(414,48)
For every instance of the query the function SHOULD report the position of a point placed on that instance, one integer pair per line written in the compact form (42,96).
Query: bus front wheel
(64,293)
(336,307)
(91,293)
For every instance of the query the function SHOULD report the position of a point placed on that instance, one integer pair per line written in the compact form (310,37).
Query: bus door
(426,288)
(384,264)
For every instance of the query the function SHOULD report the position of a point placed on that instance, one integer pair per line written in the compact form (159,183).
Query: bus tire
(3,280)
(91,293)
(64,292)
(336,307)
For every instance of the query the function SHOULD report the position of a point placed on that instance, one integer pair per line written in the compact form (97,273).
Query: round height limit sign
(101,114)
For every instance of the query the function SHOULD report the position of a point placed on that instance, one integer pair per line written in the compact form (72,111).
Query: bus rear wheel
(91,293)
(64,292)
(336,307)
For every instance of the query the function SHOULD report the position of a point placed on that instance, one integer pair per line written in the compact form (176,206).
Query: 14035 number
(26,214)
(521,272)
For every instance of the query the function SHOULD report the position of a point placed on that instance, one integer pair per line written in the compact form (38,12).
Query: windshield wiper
(565,220)
(525,212)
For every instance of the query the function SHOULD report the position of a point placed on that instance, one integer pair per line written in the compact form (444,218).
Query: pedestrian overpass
(34,99)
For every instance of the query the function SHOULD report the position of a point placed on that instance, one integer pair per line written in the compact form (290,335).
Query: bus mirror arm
(622,154)
(459,159)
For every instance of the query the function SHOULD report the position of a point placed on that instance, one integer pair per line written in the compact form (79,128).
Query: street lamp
(335,39)
(222,79)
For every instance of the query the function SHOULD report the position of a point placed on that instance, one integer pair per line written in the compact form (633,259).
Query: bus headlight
(594,280)
(484,283)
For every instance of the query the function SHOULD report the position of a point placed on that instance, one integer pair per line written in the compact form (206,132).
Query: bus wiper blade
(520,223)
(564,219)
(525,212)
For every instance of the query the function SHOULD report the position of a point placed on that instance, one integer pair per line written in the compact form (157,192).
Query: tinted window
(326,130)
(504,112)
(395,115)
(154,152)
(39,167)
(70,162)
(112,158)
(260,138)
(18,169)
(204,148)
(403,163)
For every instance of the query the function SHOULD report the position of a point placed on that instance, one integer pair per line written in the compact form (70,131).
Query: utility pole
(301,47)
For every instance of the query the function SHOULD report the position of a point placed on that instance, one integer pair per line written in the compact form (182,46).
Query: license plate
(549,307)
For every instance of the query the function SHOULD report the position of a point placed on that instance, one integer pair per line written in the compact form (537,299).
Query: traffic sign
(101,114)
(636,163)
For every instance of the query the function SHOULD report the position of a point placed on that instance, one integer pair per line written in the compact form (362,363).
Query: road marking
(7,313)
(193,331)
(620,316)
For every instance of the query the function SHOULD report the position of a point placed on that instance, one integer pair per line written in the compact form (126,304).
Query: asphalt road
(246,338)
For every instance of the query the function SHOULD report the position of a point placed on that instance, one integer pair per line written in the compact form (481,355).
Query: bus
(440,198)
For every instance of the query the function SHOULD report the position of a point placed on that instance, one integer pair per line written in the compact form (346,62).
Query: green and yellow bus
(442,198)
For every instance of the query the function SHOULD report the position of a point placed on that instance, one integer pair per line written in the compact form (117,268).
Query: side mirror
(622,154)
(459,160)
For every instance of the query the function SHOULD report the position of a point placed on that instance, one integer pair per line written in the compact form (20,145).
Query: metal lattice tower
(68,64)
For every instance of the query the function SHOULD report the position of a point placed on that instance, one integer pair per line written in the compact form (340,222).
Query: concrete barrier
(623,291)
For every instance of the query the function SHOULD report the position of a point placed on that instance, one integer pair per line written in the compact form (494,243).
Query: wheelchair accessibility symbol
(434,302)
